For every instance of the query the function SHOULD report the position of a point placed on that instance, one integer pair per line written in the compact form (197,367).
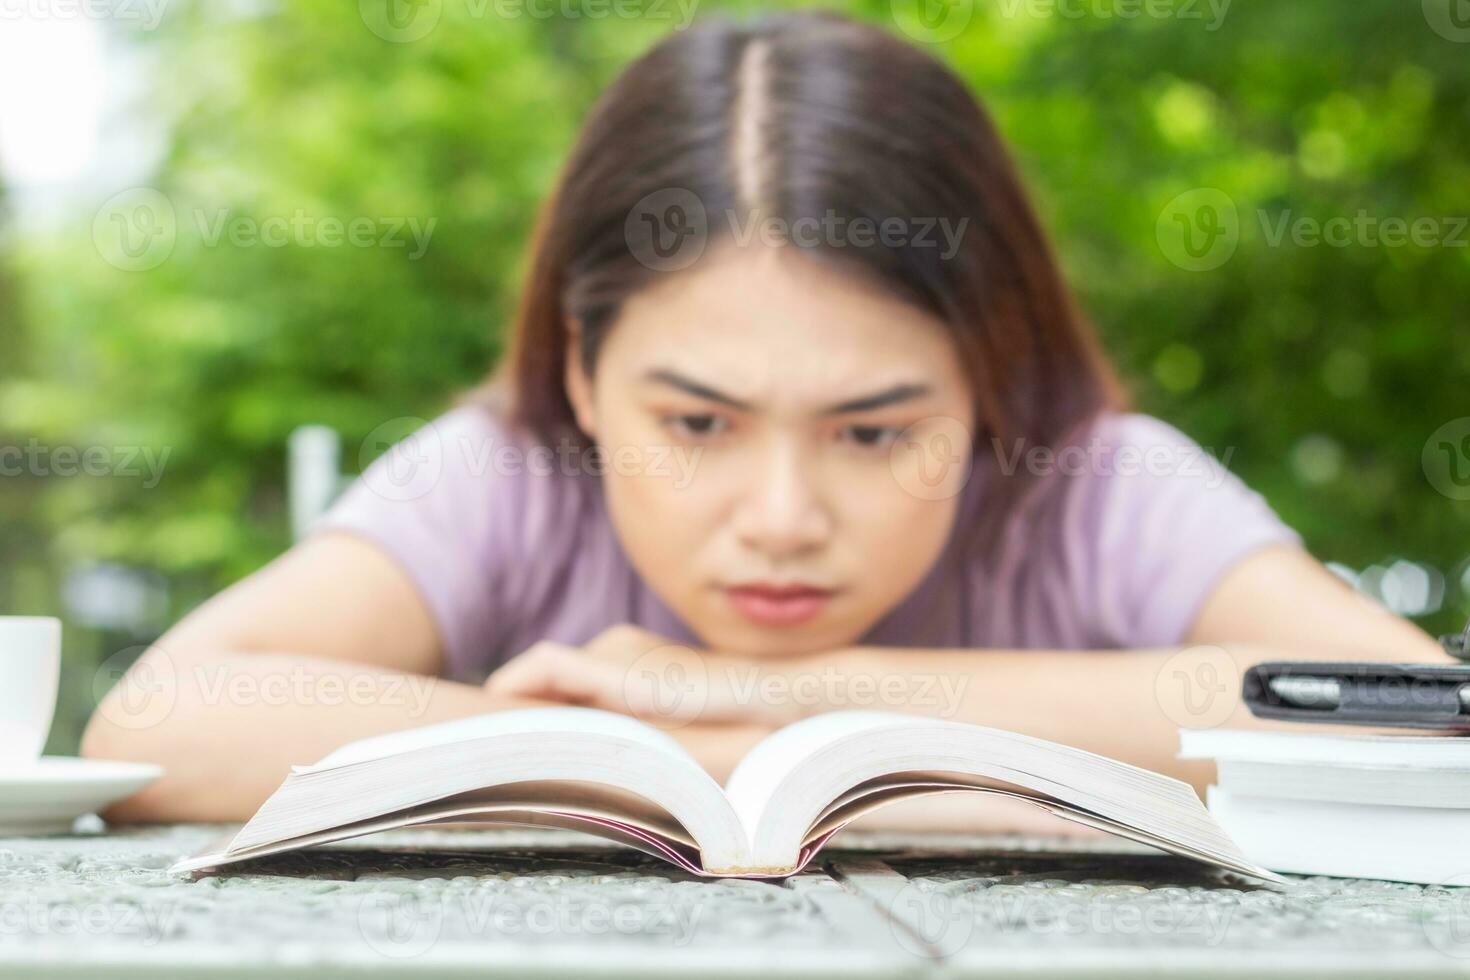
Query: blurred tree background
(1325,368)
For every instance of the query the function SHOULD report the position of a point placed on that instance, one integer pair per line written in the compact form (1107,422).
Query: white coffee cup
(30,671)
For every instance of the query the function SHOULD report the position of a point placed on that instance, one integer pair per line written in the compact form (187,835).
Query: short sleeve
(436,503)
(1154,523)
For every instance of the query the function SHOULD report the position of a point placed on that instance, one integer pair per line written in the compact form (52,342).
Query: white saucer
(46,796)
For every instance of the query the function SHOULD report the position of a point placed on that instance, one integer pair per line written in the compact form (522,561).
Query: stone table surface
(529,903)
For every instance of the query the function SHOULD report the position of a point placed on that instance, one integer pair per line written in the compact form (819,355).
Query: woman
(798,415)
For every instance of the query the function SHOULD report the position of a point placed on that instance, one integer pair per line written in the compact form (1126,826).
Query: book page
(589,721)
(776,755)
(842,763)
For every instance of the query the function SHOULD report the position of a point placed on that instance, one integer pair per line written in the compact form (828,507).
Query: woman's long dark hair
(808,117)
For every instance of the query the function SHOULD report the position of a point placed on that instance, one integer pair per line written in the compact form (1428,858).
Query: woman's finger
(554,672)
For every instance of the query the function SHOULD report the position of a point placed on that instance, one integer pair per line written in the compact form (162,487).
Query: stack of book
(1395,807)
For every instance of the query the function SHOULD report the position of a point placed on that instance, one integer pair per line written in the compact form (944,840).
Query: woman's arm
(1279,603)
(329,643)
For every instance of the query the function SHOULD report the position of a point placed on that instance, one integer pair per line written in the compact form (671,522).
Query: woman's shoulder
(480,458)
(1152,521)
(1134,462)
(1114,459)
(1113,431)
(459,469)
(1113,452)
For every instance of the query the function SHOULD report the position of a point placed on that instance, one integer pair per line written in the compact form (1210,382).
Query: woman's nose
(783,511)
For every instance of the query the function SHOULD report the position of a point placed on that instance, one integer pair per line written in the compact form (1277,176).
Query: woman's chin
(745,639)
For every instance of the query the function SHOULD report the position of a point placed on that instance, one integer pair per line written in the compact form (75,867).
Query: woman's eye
(871,436)
(695,425)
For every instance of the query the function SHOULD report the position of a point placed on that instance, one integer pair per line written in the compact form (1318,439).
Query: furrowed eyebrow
(676,380)
(880,399)
(888,396)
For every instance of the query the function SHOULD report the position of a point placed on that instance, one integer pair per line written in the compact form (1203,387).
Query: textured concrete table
(515,903)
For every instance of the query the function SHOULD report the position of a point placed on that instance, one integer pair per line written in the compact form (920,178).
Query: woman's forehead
(757,311)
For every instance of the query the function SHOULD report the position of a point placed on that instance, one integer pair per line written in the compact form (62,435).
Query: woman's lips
(778,607)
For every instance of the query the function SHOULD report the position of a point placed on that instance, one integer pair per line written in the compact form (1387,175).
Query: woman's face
(785,447)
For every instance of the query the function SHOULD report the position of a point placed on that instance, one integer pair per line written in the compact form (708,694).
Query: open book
(619,778)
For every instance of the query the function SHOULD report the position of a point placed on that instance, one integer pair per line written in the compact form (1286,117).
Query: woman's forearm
(226,727)
(1127,704)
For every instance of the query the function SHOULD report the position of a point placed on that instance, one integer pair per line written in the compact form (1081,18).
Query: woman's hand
(711,703)
(634,671)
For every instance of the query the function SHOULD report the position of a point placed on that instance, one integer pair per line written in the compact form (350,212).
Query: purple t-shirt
(510,543)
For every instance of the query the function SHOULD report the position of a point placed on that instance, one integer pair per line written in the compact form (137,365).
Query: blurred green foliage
(1323,368)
